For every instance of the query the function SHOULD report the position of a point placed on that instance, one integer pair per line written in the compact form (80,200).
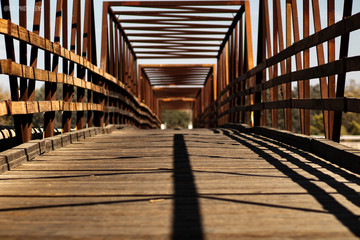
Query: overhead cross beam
(174,24)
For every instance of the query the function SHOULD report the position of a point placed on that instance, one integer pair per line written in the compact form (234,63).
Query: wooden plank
(271,185)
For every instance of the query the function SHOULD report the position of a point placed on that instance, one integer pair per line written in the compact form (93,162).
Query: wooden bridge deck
(199,184)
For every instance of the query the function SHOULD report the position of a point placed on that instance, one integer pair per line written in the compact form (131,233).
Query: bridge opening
(179,31)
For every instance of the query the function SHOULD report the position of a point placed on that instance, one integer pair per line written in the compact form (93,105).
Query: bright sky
(254,4)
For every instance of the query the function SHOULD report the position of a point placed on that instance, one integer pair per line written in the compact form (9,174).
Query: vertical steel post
(340,88)
(50,88)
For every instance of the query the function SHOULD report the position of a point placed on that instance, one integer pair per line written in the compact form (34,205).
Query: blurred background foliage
(176,118)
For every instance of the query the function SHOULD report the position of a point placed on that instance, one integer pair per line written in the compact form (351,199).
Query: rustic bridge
(111,173)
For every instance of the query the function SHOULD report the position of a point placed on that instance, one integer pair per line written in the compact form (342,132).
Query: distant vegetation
(175,118)
(350,121)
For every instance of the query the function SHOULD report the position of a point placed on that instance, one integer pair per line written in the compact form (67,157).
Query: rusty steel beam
(10,54)
(50,90)
(173,18)
(187,10)
(331,58)
(306,64)
(298,61)
(324,90)
(25,124)
(261,56)
(166,45)
(175,32)
(104,37)
(340,88)
(160,4)
(34,50)
(287,95)
(237,18)
(67,89)
(175,56)
(92,57)
(34,57)
(117,21)
(178,27)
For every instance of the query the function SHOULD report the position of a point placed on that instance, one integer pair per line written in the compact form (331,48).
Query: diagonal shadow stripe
(186,216)
(265,204)
(329,203)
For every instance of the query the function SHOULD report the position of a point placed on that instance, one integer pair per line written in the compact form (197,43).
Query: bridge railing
(249,96)
(105,98)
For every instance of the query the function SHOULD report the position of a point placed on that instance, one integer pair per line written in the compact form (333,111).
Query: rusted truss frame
(269,58)
(180,20)
(80,54)
(187,10)
(234,58)
(173,18)
(173,74)
(166,33)
(166,4)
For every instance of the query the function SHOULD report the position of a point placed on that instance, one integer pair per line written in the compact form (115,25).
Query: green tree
(354,128)
(317,124)
(351,121)
(175,118)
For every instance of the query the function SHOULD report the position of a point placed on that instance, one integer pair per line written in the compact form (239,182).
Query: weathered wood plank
(137,184)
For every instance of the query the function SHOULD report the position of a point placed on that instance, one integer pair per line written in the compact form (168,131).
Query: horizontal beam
(173,45)
(187,10)
(159,4)
(179,18)
(175,65)
(163,37)
(180,51)
(174,26)
(182,57)
(177,32)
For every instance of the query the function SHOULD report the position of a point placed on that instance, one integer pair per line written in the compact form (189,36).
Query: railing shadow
(331,167)
(329,203)
(186,214)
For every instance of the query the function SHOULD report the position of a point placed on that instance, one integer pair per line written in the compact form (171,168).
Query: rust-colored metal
(10,54)
(84,61)
(26,120)
(287,94)
(260,58)
(33,57)
(321,60)
(68,90)
(23,60)
(34,49)
(331,58)
(280,41)
(50,88)
(340,88)
(298,62)
(306,64)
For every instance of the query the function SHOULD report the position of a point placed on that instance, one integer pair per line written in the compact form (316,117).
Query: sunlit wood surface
(179,184)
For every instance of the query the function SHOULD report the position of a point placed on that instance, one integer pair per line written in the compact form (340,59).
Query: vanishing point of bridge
(106,171)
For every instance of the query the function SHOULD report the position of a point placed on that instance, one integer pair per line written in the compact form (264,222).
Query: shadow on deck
(179,185)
